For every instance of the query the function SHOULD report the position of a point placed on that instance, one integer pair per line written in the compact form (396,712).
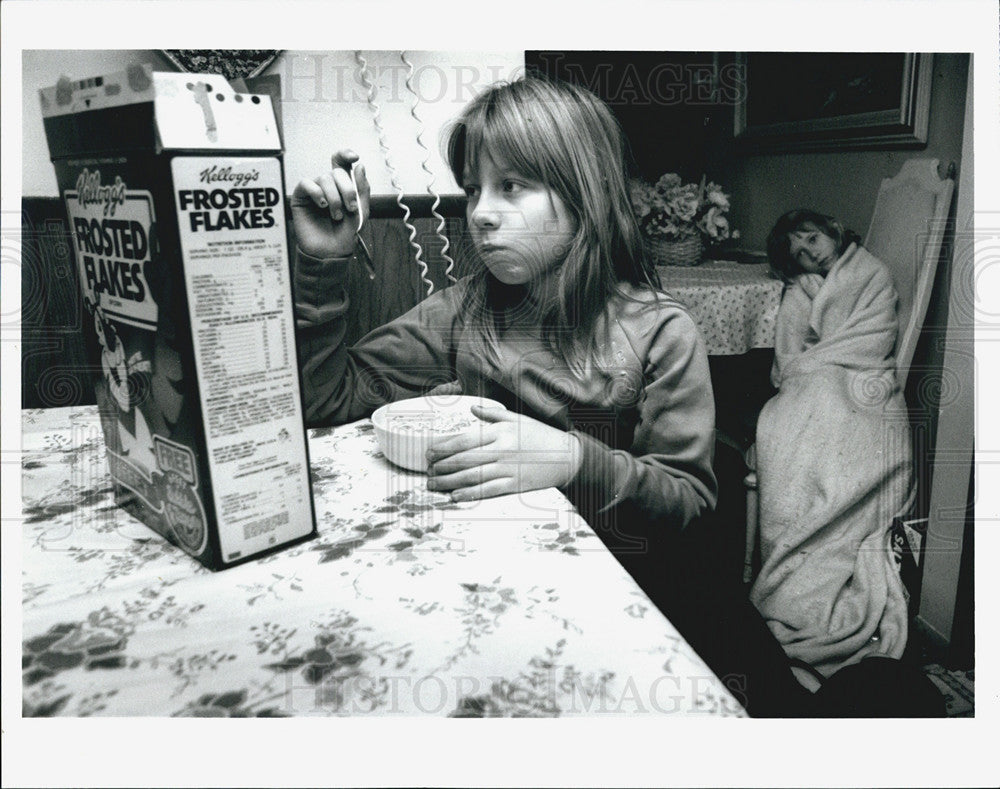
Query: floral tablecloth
(405,603)
(734,304)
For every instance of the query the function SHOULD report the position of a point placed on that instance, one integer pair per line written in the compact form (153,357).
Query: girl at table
(605,378)
(833,458)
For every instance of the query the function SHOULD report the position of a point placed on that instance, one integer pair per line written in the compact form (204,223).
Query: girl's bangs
(501,131)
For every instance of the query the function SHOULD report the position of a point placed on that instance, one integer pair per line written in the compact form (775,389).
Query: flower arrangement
(674,211)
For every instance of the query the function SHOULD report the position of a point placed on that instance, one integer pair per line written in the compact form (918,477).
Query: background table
(734,304)
(405,604)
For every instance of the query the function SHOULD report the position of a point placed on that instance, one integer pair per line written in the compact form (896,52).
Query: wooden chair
(906,233)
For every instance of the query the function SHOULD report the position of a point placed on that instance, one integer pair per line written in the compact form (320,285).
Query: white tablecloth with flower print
(404,604)
(734,304)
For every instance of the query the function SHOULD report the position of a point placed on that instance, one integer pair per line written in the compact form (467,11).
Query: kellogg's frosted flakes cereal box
(174,194)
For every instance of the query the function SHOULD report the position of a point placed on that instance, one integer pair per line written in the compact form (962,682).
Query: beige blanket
(834,467)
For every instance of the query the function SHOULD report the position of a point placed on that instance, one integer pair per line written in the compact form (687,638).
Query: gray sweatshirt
(645,415)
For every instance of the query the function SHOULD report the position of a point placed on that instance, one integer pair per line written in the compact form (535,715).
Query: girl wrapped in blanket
(833,454)
(605,379)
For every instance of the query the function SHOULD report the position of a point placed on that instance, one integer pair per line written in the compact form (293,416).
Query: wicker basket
(674,253)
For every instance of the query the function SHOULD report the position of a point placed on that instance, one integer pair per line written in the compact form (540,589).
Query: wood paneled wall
(398,285)
(54,368)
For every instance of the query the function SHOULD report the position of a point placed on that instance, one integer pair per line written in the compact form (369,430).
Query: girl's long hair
(566,138)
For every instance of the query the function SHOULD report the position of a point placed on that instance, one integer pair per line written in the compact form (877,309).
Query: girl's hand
(325,209)
(510,453)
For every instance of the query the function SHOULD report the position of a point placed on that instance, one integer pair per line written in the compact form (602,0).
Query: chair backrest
(906,233)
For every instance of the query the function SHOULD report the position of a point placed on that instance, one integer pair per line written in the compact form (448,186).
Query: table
(405,604)
(734,304)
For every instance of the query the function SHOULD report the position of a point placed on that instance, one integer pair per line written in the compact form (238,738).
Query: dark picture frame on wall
(796,101)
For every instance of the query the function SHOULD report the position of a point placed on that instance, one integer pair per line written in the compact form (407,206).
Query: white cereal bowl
(406,429)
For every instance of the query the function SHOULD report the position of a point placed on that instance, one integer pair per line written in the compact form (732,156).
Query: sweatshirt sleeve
(666,475)
(403,358)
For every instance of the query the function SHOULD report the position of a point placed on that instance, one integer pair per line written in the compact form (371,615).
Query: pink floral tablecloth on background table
(734,304)
(405,604)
